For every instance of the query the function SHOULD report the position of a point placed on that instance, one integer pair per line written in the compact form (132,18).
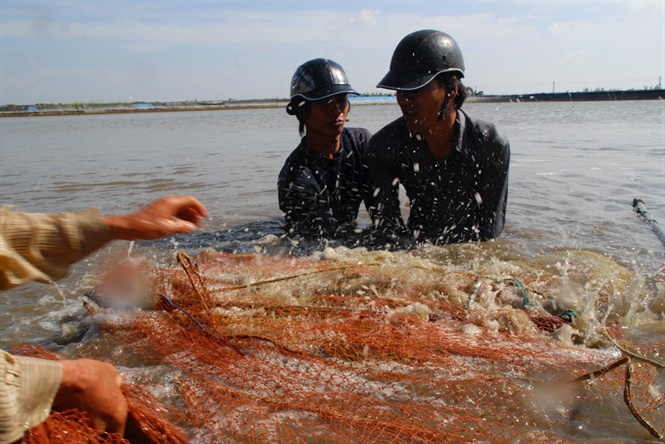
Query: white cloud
(368,16)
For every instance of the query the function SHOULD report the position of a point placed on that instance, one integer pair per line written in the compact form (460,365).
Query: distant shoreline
(588,96)
(134,108)
(96,109)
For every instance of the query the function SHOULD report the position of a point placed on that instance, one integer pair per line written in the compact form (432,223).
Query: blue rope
(641,210)
(201,326)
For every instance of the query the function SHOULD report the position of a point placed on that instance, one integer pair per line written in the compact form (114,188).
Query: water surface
(575,169)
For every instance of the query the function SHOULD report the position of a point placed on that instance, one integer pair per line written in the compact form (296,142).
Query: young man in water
(454,167)
(325,178)
(41,247)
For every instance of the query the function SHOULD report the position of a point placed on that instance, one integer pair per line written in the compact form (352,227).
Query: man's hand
(166,216)
(93,387)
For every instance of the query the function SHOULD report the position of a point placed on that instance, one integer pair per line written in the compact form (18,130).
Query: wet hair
(445,82)
(300,108)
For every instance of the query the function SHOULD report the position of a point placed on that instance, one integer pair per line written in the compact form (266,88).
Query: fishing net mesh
(274,349)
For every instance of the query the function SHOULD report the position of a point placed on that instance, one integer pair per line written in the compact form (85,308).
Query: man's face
(327,116)
(421,107)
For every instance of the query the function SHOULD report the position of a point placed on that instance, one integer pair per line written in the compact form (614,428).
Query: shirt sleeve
(367,186)
(384,172)
(42,246)
(305,206)
(495,190)
(27,390)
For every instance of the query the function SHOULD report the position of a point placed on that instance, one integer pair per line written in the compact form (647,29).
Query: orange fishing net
(148,420)
(371,348)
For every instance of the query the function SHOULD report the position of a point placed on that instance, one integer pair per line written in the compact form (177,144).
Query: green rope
(514,281)
(568,315)
(525,296)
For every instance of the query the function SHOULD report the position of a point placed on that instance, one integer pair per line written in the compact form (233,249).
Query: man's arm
(42,246)
(31,386)
(166,216)
(305,206)
(385,211)
(495,192)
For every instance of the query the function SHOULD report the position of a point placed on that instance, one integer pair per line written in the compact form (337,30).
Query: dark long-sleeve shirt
(459,198)
(321,196)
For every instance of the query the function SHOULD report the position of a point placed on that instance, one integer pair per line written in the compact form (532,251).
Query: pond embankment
(136,107)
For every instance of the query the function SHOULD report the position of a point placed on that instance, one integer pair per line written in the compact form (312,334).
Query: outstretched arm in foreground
(41,247)
(166,216)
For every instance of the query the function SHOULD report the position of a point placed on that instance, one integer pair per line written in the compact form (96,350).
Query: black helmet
(419,57)
(318,79)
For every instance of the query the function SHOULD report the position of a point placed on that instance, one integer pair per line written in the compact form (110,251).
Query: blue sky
(117,51)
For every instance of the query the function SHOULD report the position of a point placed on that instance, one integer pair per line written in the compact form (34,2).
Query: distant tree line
(79,106)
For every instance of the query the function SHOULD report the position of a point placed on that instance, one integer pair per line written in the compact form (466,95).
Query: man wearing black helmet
(454,167)
(325,178)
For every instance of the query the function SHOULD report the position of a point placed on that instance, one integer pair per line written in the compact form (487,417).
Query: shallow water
(575,169)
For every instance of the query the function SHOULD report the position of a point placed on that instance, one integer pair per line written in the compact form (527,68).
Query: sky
(105,51)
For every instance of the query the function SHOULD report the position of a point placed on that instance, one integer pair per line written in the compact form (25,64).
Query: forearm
(164,217)
(493,220)
(386,215)
(384,188)
(305,215)
(494,207)
(124,227)
(305,205)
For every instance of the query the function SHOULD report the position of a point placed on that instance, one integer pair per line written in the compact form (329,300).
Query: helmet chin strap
(449,90)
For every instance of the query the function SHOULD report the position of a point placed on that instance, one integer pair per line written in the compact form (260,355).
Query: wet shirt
(459,198)
(319,196)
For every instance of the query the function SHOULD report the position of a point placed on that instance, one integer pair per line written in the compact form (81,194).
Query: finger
(190,215)
(191,203)
(200,208)
(174,226)
(118,427)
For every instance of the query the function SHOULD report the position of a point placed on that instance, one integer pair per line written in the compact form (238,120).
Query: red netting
(148,421)
(374,349)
